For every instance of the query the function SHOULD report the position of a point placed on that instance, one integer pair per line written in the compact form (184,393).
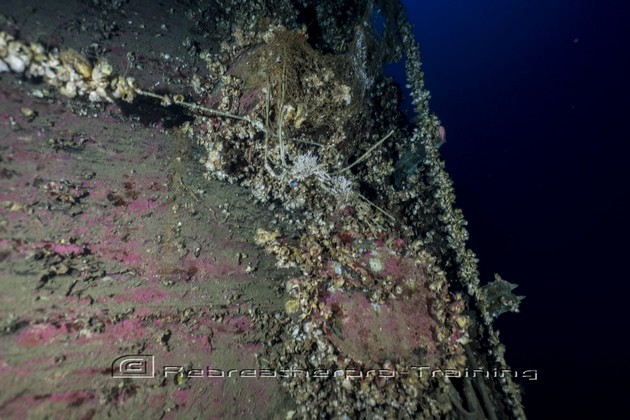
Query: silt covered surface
(112,246)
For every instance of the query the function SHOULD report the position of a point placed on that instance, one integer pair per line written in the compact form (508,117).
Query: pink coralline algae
(37,335)
(68,249)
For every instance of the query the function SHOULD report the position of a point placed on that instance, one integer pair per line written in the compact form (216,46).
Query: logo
(134,366)
(142,366)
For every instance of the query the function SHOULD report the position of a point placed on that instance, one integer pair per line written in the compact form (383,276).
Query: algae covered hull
(217,209)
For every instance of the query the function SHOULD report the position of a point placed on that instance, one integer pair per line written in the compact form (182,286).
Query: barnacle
(102,70)
(70,71)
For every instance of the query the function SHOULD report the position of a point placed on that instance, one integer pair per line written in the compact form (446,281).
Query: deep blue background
(534,97)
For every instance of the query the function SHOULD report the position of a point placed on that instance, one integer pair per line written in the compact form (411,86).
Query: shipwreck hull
(265,237)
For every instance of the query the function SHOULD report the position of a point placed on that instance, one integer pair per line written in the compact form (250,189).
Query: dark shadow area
(150,112)
(308,16)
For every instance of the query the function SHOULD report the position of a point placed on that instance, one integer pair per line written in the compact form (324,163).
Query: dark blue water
(534,96)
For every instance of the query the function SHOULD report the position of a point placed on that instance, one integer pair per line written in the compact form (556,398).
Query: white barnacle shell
(19,56)
(343,94)
(16,63)
(64,73)
(38,53)
(36,70)
(69,89)
(5,38)
(94,97)
(37,48)
(82,87)
(4,67)
(124,88)
(51,66)
(101,71)
(98,95)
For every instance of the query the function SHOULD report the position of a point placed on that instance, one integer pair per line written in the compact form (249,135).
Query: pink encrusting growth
(68,249)
(392,268)
(102,257)
(40,334)
(63,403)
(375,333)
(400,328)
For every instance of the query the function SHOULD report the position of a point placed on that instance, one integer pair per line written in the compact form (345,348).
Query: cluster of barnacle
(451,219)
(300,159)
(301,176)
(221,18)
(332,263)
(366,397)
(69,71)
(336,20)
(310,125)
